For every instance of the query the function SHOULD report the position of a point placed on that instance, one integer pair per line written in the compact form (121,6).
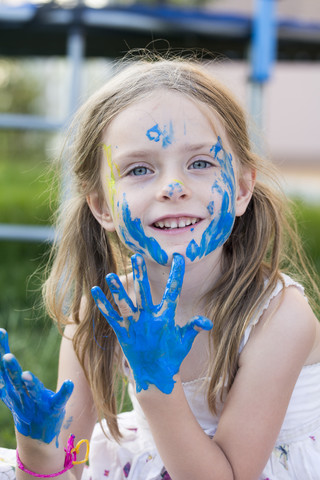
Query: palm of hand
(37,412)
(151,341)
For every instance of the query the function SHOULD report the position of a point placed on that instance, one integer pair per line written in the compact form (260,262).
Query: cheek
(223,186)
(131,232)
(218,189)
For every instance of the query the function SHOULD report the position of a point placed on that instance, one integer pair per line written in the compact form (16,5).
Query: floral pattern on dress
(126,469)
(282,452)
(165,475)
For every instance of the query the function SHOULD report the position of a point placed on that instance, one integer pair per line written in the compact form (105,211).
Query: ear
(246,184)
(100,211)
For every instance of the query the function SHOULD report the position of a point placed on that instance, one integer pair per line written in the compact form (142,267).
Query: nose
(174,190)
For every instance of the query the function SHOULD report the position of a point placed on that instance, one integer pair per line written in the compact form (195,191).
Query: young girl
(220,348)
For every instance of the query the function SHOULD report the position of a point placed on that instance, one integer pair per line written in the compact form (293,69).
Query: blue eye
(138,171)
(199,164)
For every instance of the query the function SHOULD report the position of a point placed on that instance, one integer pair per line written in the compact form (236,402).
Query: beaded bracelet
(69,462)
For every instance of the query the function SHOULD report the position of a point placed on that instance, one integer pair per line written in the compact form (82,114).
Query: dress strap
(288,282)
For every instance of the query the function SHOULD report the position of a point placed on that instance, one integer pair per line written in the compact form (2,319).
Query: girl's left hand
(151,341)
(37,412)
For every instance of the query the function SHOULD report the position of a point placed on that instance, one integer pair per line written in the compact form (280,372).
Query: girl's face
(170,180)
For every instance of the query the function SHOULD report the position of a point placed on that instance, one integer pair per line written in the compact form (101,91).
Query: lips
(171,223)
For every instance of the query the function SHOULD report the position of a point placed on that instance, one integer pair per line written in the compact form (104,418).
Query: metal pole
(75,56)
(262,57)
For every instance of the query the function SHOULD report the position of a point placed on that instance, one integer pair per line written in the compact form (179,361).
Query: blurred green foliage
(26,193)
(308,220)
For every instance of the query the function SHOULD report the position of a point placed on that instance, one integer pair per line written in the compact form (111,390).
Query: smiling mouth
(173,223)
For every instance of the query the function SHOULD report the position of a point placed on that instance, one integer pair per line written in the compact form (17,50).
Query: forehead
(163,110)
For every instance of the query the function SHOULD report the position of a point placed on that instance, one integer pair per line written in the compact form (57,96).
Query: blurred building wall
(291,109)
(306,10)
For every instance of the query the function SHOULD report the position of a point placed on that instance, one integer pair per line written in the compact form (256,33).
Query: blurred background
(54,54)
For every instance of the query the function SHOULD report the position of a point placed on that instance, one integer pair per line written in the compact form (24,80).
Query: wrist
(154,394)
(45,464)
(164,380)
(39,456)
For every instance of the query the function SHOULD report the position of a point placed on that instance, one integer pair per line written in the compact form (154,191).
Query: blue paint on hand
(135,238)
(151,341)
(37,412)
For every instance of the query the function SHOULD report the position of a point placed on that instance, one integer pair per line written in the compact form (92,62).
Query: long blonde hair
(84,253)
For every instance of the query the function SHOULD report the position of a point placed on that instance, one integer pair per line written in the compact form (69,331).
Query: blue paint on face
(174,187)
(155,134)
(210,207)
(135,238)
(151,341)
(221,225)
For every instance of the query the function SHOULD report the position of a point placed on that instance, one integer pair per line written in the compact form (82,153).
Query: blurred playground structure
(268,52)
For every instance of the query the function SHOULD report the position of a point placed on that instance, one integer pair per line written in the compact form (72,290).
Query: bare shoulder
(284,340)
(288,324)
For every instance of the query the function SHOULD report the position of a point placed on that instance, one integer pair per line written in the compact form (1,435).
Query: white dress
(296,454)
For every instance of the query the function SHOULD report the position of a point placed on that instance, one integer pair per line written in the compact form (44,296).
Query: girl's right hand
(37,412)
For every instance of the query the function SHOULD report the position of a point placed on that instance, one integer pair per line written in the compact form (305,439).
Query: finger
(13,370)
(4,342)
(174,283)
(192,328)
(141,282)
(34,386)
(62,396)
(201,322)
(15,387)
(120,296)
(105,307)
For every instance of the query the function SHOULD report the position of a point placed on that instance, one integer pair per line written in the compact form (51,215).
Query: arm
(38,413)
(43,420)
(256,404)
(79,419)
(81,415)
(255,407)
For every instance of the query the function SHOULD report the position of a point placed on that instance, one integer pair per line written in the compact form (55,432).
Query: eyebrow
(186,147)
(199,146)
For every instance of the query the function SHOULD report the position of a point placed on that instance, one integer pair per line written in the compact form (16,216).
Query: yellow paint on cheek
(111,180)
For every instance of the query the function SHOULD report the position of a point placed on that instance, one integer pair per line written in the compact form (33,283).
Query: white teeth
(176,222)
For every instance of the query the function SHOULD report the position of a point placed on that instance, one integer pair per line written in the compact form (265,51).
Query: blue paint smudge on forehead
(221,226)
(133,232)
(155,134)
